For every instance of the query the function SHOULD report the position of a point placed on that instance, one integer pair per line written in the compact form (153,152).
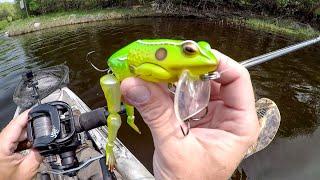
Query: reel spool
(51,130)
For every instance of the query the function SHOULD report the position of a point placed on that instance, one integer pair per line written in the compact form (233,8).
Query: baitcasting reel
(53,130)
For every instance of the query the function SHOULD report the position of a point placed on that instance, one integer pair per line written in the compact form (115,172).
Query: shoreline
(37,23)
(286,27)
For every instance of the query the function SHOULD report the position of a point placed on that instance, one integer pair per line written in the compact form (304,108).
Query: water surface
(293,81)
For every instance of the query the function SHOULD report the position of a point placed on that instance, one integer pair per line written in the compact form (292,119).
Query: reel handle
(93,119)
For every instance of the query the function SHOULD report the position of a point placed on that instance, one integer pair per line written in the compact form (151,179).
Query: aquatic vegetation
(284,27)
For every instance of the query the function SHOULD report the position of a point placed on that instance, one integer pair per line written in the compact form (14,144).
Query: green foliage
(33,5)
(273,7)
(317,12)
(37,7)
(3,24)
(9,11)
(286,7)
(296,5)
(283,3)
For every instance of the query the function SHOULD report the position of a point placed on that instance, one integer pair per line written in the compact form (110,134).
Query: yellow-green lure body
(157,60)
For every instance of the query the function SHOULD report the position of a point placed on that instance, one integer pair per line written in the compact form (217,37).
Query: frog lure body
(154,60)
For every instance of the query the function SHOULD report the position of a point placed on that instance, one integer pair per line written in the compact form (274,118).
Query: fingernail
(138,94)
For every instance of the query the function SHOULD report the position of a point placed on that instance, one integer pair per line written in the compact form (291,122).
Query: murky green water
(293,82)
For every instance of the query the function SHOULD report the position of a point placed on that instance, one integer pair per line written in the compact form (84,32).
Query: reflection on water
(293,82)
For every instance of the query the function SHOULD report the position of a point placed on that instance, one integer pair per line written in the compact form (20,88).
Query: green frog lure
(158,60)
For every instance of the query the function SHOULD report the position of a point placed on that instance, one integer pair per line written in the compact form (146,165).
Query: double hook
(205,77)
(187,122)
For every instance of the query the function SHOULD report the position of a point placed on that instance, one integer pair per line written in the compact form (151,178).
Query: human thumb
(29,166)
(155,107)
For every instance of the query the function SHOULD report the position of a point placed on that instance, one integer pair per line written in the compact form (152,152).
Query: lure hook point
(95,67)
(188,123)
(188,128)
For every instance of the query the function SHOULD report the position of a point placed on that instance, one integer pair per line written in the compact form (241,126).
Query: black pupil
(189,49)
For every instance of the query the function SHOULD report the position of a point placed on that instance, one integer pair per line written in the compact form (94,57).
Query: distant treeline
(288,8)
(37,7)
(273,7)
(9,11)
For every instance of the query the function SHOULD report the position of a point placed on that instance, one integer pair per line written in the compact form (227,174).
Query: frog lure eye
(190,48)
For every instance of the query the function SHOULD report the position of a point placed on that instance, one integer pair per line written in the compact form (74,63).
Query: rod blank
(274,54)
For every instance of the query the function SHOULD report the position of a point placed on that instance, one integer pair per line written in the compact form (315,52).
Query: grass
(284,27)
(3,24)
(46,21)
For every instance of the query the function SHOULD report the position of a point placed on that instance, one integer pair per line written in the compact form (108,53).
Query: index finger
(10,135)
(236,89)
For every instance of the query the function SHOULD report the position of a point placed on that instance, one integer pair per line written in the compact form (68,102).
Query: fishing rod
(265,57)
(274,54)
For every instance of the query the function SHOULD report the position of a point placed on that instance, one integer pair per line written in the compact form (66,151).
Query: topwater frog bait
(159,60)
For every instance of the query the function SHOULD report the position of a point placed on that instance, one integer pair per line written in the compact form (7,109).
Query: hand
(14,165)
(217,143)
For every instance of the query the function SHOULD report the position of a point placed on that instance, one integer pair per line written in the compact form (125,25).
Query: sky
(1,1)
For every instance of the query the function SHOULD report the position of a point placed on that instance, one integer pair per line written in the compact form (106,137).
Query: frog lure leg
(111,88)
(130,118)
